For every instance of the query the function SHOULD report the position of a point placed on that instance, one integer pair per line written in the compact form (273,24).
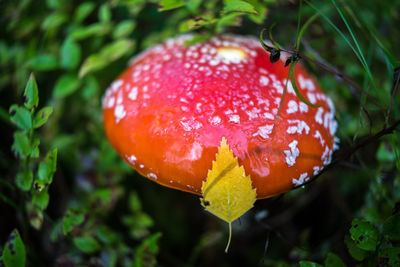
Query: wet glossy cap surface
(167,113)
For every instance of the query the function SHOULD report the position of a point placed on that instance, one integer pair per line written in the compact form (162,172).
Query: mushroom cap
(167,112)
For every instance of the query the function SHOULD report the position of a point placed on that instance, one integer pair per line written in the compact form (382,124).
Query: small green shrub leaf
(238,6)
(71,219)
(147,251)
(14,254)
(46,171)
(123,29)
(24,180)
(389,255)
(309,264)
(170,4)
(87,244)
(107,55)
(66,85)
(95,29)
(42,116)
(40,199)
(44,62)
(70,54)
(21,145)
(83,11)
(105,13)
(354,250)
(333,261)
(21,117)
(391,227)
(364,234)
(31,93)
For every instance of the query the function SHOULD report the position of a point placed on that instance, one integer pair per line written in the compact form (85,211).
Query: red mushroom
(167,113)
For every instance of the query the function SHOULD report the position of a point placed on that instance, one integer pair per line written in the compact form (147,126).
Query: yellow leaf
(227,192)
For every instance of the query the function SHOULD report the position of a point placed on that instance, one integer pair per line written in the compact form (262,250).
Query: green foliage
(75,202)
(14,254)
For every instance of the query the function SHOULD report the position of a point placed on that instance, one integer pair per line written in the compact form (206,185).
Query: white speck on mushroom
(312,98)
(215,120)
(133,93)
(110,102)
(292,154)
(301,180)
(145,88)
(253,113)
(152,175)
(336,142)
(299,128)
(190,124)
(119,98)
(119,113)
(306,83)
(317,169)
(303,107)
(132,159)
(318,115)
(292,107)
(234,118)
(319,136)
(116,84)
(183,100)
(268,116)
(333,127)
(264,131)
(141,166)
(195,152)
(326,156)
(264,80)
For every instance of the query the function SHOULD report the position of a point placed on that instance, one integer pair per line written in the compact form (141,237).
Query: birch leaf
(227,192)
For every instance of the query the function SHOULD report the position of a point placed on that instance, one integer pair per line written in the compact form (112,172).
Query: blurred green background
(67,199)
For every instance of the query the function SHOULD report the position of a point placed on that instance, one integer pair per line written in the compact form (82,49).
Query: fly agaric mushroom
(167,113)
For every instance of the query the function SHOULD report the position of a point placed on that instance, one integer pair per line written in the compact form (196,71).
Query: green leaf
(107,55)
(389,255)
(35,215)
(333,261)
(44,62)
(170,4)
(21,145)
(21,117)
(354,250)
(46,171)
(391,228)
(364,234)
(296,89)
(87,244)
(14,254)
(123,29)
(193,5)
(83,11)
(31,93)
(66,85)
(24,180)
(42,116)
(96,29)
(70,54)
(40,199)
(71,219)
(105,13)
(147,251)
(309,264)
(54,21)
(238,6)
